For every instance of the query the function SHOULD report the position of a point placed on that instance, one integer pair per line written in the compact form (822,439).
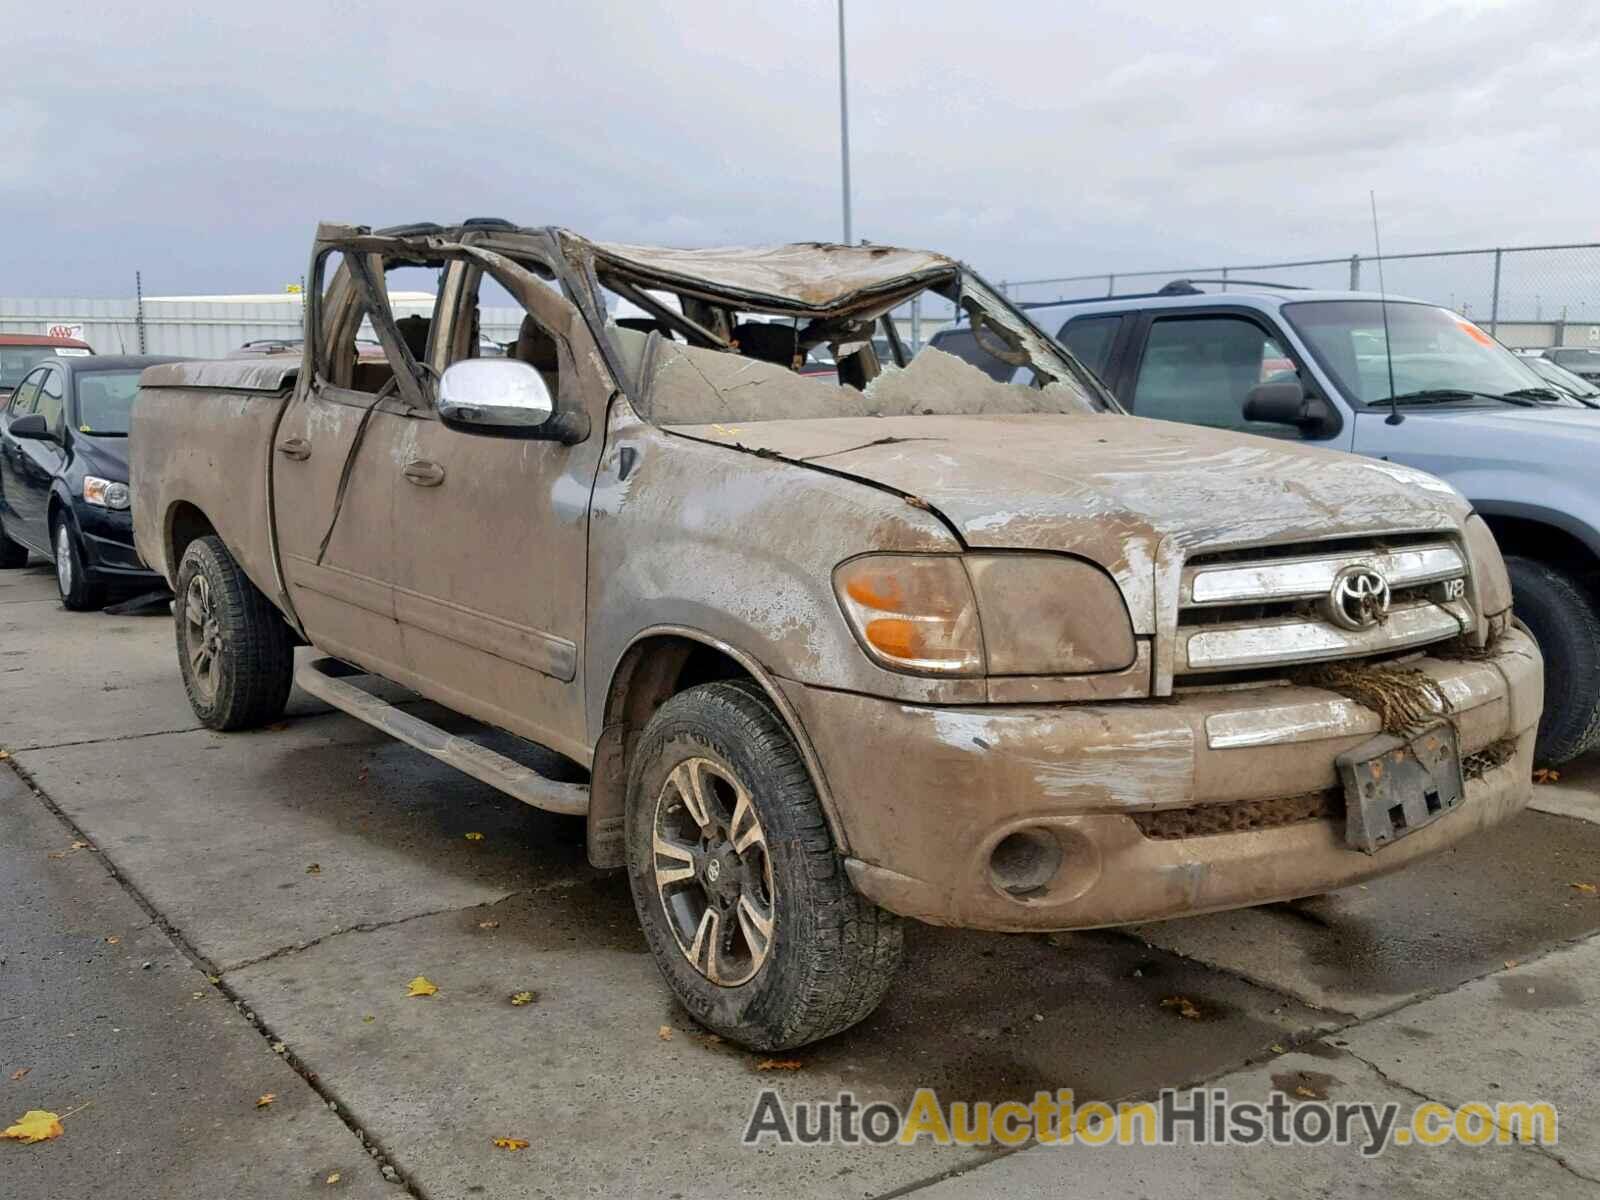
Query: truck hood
(1108,487)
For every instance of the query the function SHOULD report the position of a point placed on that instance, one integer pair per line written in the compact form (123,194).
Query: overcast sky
(201,144)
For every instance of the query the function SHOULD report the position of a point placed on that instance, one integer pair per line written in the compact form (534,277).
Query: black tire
(234,649)
(1560,614)
(831,954)
(78,591)
(12,554)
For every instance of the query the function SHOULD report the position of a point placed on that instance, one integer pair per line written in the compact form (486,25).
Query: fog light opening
(1023,863)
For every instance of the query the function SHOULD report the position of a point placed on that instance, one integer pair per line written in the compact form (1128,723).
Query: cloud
(201,146)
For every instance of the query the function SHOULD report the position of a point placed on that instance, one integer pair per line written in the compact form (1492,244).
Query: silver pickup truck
(837,636)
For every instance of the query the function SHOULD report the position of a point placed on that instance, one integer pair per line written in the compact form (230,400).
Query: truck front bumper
(1069,817)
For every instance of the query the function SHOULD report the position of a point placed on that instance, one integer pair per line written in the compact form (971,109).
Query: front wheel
(1560,614)
(741,893)
(78,592)
(235,651)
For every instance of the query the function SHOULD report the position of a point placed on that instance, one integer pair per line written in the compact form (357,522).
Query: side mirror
(505,397)
(1286,403)
(32,427)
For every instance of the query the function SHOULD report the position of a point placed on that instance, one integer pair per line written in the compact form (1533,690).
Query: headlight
(105,492)
(1041,614)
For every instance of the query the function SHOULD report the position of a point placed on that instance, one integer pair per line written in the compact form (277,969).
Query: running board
(319,677)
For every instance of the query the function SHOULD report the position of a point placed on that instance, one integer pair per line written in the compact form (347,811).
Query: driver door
(492,536)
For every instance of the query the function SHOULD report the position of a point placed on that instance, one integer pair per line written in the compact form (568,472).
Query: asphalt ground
(198,920)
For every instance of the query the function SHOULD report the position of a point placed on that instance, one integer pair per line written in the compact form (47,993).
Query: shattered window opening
(734,361)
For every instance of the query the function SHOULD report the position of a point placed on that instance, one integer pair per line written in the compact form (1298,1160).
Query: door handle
(424,473)
(296,448)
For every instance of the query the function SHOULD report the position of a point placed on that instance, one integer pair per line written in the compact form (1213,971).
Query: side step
(319,677)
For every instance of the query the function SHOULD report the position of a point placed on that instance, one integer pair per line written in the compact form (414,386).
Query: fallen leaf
(1588,889)
(488,924)
(707,1039)
(779,1064)
(421,986)
(113,940)
(35,1125)
(474,837)
(1303,1090)
(266,1099)
(333,1177)
(511,1143)
(56,854)
(1546,775)
(1510,962)
(82,846)
(197,995)
(665,1033)
(278,1047)
(314,869)
(4,755)
(368,1019)
(213,978)
(518,999)
(20,1073)
(1276,1048)
(1187,1009)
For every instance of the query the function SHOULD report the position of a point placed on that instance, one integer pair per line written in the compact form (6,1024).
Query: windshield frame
(1354,399)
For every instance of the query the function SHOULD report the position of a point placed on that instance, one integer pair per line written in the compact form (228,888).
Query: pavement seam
(380,1156)
(363,927)
(126,737)
(1417,1093)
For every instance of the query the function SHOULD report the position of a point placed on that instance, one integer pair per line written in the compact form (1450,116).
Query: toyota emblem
(1359,598)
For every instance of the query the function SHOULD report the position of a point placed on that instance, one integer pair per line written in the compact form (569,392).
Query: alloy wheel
(203,636)
(713,873)
(64,559)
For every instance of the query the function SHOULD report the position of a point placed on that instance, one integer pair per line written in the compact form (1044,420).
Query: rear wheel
(12,554)
(1561,616)
(78,592)
(235,650)
(742,895)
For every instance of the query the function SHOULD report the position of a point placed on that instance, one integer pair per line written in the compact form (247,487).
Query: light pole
(844,128)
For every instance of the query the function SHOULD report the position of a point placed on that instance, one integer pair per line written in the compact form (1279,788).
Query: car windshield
(825,363)
(105,399)
(17,361)
(1435,351)
(1577,385)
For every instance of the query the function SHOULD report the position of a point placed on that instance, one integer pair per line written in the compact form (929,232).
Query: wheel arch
(1555,538)
(657,664)
(184,523)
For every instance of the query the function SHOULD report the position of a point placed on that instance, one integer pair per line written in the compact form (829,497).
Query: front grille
(1267,607)
(1241,816)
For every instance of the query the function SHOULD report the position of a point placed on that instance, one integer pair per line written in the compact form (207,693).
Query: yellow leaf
(4,755)
(1588,889)
(665,1033)
(1187,1009)
(278,1047)
(518,999)
(421,986)
(779,1064)
(1277,1048)
(81,846)
(20,1073)
(314,869)
(268,1098)
(1546,775)
(333,1177)
(113,940)
(368,1019)
(474,837)
(488,924)
(511,1143)
(35,1125)
(1302,1090)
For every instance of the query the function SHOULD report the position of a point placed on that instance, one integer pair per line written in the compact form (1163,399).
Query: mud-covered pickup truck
(830,651)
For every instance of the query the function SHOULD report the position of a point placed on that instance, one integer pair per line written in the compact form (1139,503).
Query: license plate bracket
(1394,786)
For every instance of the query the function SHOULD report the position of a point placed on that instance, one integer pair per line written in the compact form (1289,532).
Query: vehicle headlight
(106,493)
(996,614)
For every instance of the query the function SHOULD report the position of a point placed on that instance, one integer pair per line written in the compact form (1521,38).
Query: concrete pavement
(316,867)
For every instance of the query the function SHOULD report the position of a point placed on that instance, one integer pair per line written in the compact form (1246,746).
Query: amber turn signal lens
(913,612)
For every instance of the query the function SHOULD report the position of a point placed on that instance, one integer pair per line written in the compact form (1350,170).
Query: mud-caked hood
(1110,488)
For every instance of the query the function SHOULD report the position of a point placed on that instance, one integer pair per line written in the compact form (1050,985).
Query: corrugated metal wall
(193,328)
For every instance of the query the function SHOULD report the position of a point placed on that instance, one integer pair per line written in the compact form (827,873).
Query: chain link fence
(1528,296)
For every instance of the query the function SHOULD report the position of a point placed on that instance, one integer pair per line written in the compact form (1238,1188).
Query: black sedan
(64,476)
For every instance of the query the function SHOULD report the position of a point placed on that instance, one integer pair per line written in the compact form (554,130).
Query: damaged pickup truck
(902,642)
